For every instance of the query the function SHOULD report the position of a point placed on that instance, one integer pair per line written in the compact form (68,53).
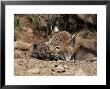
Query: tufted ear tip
(56,29)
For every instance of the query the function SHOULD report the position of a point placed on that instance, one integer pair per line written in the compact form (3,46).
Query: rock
(20,63)
(22,45)
(29,30)
(56,65)
(33,71)
(84,54)
(18,54)
(87,18)
(94,59)
(52,70)
(79,72)
(65,66)
(60,69)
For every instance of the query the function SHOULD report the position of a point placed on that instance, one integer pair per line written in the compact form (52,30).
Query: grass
(34,19)
(17,23)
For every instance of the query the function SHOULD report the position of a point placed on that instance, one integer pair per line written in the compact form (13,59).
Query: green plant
(93,30)
(34,19)
(17,22)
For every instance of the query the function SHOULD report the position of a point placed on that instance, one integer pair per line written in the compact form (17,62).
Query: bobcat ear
(73,37)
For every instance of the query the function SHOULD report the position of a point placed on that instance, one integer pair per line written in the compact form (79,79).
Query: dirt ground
(24,65)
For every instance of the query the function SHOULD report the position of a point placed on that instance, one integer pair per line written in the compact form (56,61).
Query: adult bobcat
(55,49)
(64,44)
(64,47)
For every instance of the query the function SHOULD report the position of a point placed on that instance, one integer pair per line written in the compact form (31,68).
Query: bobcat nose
(57,47)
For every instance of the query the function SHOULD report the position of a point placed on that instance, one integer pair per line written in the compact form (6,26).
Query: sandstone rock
(65,66)
(79,72)
(33,71)
(22,45)
(60,69)
(29,30)
(83,54)
(87,18)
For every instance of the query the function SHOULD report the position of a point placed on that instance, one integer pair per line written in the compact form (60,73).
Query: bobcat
(42,51)
(60,43)
(67,46)
(39,50)
(63,46)
(55,49)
